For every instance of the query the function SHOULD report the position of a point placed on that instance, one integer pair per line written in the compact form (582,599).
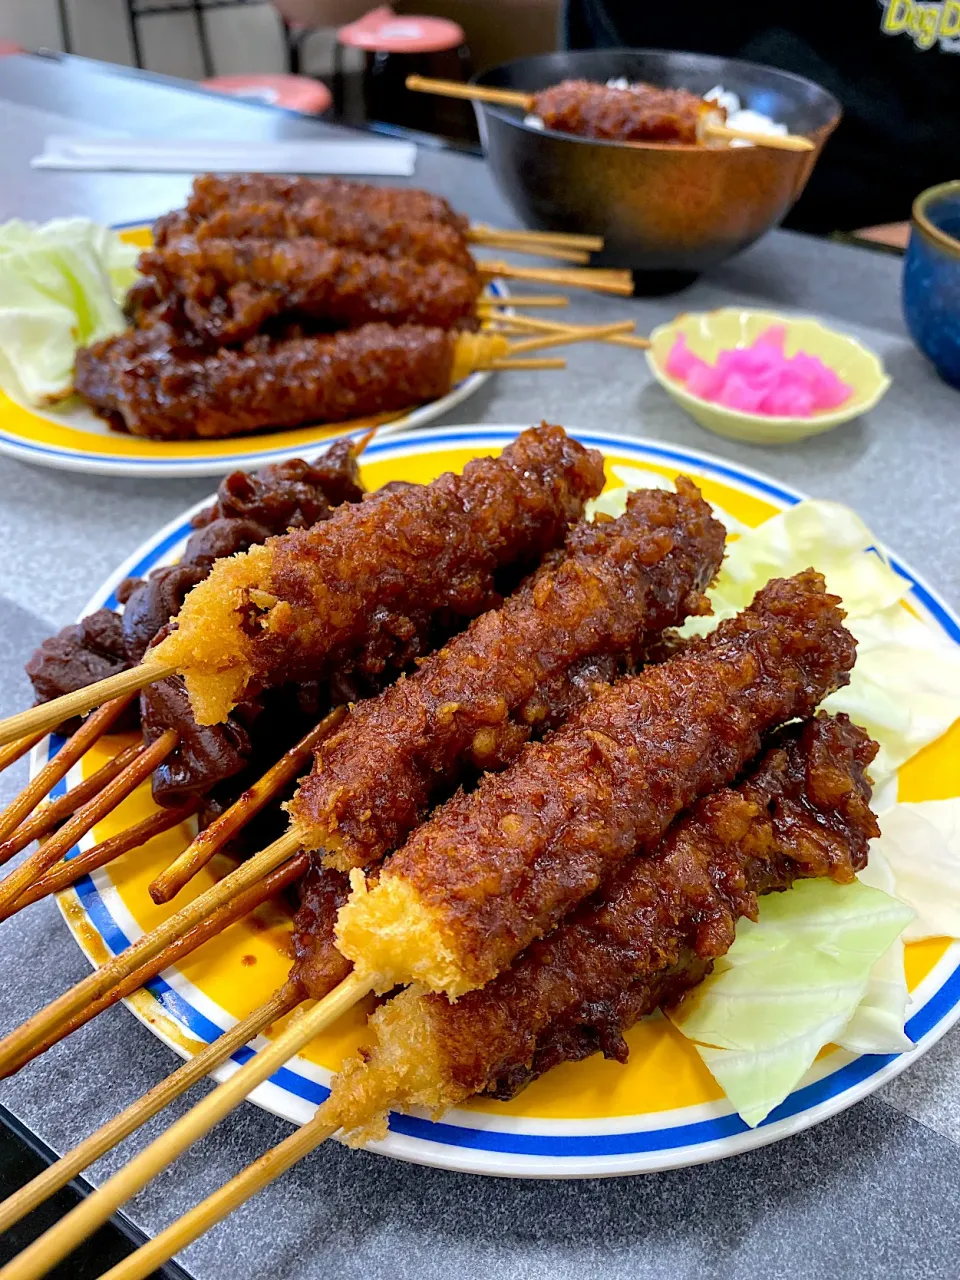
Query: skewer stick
(214,924)
(510,245)
(64,760)
(86,816)
(69,870)
(61,1239)
(138,1113)
(49,714)
(489,302)
(222,1203)
(12,752)
(472,92)
(546,363)
(480,232)
(530,324)
(775,141)
(169,882)
(49,815)
(619,282)
(38,1028)
(572,334)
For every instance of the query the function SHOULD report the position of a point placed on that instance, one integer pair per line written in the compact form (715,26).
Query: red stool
(396,46)
(296,93)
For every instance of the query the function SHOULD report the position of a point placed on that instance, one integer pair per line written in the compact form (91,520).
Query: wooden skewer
(38,1028)
(68,755)
(488,302)
(12,752)
(169,883)
(521,324)
(13,885)
(572,334)
(620,282)
(547,362)
(775,141)
(511,245)
(142,1263)
(528,102)
(479,232)
(69,870)
(52,813)
(114,1131)
(188,942)
(37,1259)
(49,714)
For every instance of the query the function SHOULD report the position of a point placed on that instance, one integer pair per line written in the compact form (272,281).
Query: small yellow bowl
(710,332)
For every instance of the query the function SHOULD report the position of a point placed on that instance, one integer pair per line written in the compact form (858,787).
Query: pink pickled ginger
(761,378)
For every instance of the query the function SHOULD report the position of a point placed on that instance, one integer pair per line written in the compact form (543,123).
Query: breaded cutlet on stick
(803,811)
(151,384)
(360,229)
(495,869)
(211,193)
(587,615)
(514,673)
(230,288)
(296,607)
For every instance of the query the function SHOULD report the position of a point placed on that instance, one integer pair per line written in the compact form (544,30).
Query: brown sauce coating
(351,586)
(642,113)
(169,394)
(514,673)
(319,966)
(359,229)
(211,193)
(230,289)
(501,866)
(804,811)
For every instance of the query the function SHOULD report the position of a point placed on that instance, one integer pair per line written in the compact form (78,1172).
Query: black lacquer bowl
(664,209)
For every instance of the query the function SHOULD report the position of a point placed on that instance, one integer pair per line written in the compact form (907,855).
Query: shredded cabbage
(789,985)
(61,285)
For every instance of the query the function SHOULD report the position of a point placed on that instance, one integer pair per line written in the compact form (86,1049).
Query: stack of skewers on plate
(274,302)
(532,808)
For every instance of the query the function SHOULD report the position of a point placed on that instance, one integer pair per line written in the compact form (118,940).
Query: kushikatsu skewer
(211,194)
(516,670)
(455,533)
(638,115)
(652,935)
(646,940)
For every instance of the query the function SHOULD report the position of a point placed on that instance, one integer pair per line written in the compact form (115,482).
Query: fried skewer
(803,812)
(451,537)
(653,935)
(493,870)
(771,663)
(516,672)
(640,114)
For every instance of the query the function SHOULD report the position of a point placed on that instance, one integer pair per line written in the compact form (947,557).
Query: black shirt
(893,64)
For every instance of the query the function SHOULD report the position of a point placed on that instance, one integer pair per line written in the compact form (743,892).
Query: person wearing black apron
(894,65)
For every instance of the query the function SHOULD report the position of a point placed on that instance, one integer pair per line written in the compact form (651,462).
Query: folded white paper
(371,158)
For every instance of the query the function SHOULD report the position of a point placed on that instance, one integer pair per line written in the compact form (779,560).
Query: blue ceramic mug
(931,278)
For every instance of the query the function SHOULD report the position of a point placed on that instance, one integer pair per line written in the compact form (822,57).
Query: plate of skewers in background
(73,437)
(660,1109)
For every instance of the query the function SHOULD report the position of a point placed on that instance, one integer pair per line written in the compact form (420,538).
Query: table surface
(873,1191)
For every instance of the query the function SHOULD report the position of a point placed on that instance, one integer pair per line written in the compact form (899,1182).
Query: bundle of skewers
(272,302)
(533,816)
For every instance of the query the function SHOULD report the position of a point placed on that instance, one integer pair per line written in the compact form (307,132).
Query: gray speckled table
(872,1192)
